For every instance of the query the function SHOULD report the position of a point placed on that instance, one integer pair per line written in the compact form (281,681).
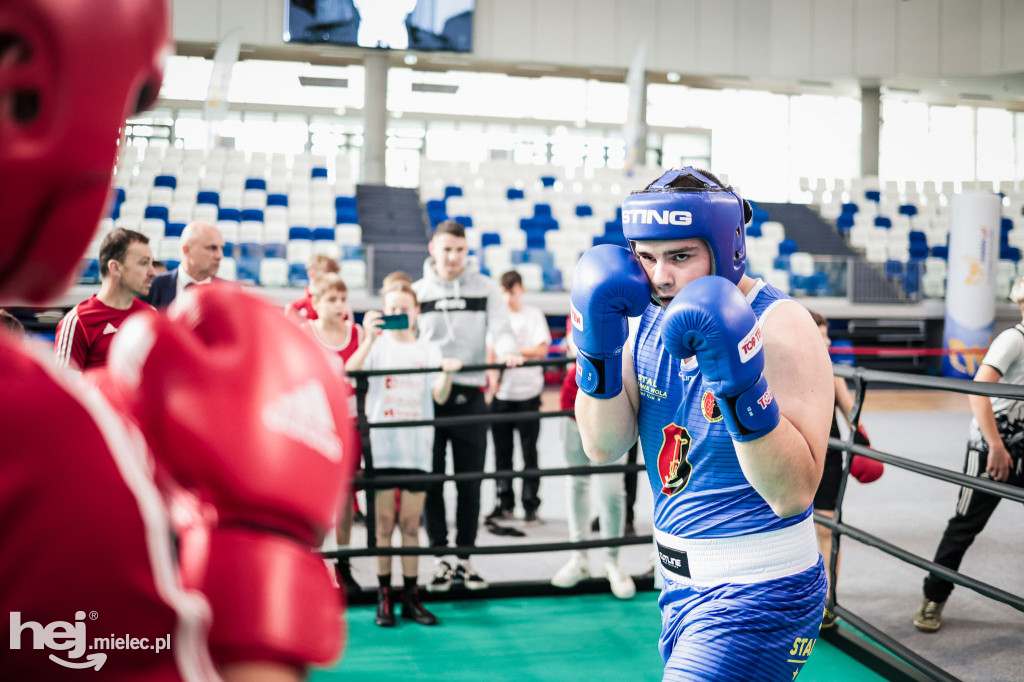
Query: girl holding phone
(404,450)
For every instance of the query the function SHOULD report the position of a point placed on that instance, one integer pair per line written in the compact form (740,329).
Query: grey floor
(979,640)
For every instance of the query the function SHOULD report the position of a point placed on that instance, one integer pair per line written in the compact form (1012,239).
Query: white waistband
(742,559)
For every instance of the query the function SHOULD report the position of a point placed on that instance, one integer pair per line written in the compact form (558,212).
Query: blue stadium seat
(553,279)
(781,262)
(345,216)
(464,220)
(787,247)
(299,232)
(277,200)
(318,172)
(275,250)
(174,229)
(208,197)
(547,180)
(250,250)
(542,210)
(612,237)
(514,193)
(172,264)
(297,276)
(489,239)
(256,183)
(118,195)
(908,210)
(912,281)
(584,210)
(252,214)
(873,195)
(229,214)
(343,201)
(90,272)
(1009,253)
(352,252)
(248,270)
(940,252)
(818,284)
(894,268)
(115,210)
(844,223)
(541,257)
(882,221)
(325,234)
(165,181)
(1005,226)
(758,216)
(157,212)
(753,230)
(452,191)
(229,250)
(850,208)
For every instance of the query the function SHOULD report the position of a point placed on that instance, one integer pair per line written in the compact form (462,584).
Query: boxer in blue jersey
(727,385)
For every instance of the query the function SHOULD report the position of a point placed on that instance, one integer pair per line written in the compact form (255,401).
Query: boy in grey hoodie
(458,307)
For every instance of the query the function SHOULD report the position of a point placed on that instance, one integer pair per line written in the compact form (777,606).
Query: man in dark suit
(202,247)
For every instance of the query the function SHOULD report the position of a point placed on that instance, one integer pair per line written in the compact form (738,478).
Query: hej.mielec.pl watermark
(71,638)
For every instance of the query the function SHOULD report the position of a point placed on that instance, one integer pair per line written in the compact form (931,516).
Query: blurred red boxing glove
(865,469)
(242,408)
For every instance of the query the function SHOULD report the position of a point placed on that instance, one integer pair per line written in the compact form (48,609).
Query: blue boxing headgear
(688,204)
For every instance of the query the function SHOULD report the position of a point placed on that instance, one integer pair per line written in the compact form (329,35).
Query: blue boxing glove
(609,285)
(710,318)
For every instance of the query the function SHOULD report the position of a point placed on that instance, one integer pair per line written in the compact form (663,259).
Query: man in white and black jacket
(459,306)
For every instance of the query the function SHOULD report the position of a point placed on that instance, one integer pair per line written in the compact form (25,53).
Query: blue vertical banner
(970,282)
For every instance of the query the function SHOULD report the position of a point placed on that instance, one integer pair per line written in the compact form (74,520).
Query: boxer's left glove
(242,408)
(711,319)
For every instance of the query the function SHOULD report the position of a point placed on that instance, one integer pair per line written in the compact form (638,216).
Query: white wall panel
(512,36)
(1013,36)
(483,30)
(991,52)
(554,28)
(917,37)
(274,30)
(195,20)
(247,15)
(960,38)
(832,38)
(874,37)
(637,21)
(676,35)
(715,52)
(789,28)
(596,34)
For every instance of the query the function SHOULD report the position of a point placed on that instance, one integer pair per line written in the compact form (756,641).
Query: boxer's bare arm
(785,465)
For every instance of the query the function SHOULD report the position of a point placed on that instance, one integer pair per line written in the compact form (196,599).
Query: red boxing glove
(865,469)
(242,408)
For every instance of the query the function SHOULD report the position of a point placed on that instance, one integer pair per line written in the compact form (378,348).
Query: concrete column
(870,126)
(375,111)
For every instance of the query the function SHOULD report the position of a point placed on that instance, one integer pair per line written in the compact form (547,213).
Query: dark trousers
(469,447)
(973,510)
(504,443)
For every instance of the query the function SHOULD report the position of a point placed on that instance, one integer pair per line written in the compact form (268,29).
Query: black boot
(413,609)
(343,572)
(385,608)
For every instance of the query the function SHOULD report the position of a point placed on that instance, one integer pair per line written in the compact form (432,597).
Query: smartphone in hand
(395,321)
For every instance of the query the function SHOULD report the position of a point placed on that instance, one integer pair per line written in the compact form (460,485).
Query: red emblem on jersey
(673,467)
(709,407)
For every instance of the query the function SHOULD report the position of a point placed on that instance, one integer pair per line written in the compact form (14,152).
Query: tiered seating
(538,219)
(904,227)
(273,211)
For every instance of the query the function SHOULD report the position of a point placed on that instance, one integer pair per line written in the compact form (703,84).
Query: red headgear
(70,74)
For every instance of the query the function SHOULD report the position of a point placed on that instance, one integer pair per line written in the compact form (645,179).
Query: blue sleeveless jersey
(699,489)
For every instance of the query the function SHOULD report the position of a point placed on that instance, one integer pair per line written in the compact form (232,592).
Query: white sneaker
(575,570)
(622,584)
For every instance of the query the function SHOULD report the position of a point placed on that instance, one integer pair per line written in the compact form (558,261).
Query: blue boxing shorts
(752,603)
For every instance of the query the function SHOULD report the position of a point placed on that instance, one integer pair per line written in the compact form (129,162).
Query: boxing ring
(524,628)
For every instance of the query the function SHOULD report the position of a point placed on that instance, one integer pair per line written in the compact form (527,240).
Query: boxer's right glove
(242,408)
(710,318)
(865,469)
(608,286)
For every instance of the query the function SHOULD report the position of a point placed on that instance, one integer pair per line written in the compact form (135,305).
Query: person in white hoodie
(459,306)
